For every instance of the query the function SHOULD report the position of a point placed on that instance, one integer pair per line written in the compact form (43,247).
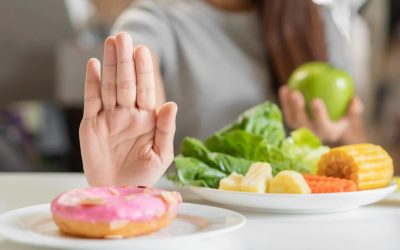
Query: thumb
(165,131)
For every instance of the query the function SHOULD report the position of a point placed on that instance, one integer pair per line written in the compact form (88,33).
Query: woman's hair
(293,33)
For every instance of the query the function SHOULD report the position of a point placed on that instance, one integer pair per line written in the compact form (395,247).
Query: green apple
(320,80)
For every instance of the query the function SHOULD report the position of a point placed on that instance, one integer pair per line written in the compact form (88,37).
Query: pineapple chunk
(257,178)
(231,183)
(289,182)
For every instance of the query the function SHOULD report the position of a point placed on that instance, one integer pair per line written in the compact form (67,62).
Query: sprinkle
(129,197)
(141,186)
(93,201)
(113,237)
(147,191)
(169,197)
(113,191)
(160,214)
(118,224)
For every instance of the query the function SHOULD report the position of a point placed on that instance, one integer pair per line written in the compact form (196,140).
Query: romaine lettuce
(192,171)
(258,135)
(194,148)
(264,120)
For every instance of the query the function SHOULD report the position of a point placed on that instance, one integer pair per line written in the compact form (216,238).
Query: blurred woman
(215,59)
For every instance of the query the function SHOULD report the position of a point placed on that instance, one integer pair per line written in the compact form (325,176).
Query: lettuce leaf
(192,171)
(257,136)
(238,143)
(304,137)
(305,148)
(255,148)
(195,148)
(264,120)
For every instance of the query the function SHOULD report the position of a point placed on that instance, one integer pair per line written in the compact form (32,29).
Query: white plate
(294,203)
(34,226)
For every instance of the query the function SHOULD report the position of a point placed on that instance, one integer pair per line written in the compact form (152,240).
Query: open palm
(124,139)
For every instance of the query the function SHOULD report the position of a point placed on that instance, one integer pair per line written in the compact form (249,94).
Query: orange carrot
(324,184)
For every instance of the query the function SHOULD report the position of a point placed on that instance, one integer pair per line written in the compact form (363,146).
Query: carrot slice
(325,184)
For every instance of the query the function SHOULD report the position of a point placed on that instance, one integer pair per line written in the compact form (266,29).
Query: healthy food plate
(294,203)
(34,226)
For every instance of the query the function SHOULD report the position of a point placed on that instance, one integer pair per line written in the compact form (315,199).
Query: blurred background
(44,46)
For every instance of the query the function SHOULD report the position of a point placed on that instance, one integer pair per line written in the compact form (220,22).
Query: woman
(215,59)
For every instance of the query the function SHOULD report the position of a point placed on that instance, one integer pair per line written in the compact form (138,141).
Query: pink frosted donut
(114,212)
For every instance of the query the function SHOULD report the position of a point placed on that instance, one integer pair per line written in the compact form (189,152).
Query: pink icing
(128,203)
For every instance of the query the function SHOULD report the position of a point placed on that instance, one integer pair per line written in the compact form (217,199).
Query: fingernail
(124,38)
(143,57)
(143,51)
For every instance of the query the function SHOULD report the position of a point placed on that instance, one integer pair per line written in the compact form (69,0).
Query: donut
(114,212)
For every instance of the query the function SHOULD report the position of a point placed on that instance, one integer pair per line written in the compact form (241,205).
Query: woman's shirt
(213,62)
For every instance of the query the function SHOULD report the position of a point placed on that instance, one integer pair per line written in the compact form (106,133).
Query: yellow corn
(257,178)
(368,165)
(289,182)
(397,180)
(231,183)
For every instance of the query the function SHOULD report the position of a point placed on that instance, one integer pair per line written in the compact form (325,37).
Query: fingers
(356,107)
(109,75)
(165,131)
(92,99)
(325,128)
(298,110)
(146,94)
(126,82)
(321,116)
(284,99)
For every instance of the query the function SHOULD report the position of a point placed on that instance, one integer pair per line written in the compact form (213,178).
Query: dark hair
(293,34)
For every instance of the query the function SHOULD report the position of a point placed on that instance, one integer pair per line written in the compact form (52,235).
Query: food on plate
(257,178)
(325,184)
(368,165)
(258,135)
(114,212)
(234,159)
(397,180)
(289,182)
(320,80)
(231,183)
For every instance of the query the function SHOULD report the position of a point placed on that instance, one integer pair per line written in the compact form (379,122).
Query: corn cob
(324,184)
(289,182)
(397,180)
(231,183)
(369,166)
(257,178)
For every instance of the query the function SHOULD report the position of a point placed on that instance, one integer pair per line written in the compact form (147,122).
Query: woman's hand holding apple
(348,129)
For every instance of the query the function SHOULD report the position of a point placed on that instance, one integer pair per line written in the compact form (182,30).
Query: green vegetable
(192,171)
(257,136)
(242,144)
(238,143)
(264,120)
(192,147)
(304,137)
(304,148)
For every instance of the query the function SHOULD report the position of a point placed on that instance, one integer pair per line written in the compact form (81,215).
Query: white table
(372,227)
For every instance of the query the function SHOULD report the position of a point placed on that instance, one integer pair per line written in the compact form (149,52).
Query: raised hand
(347,130)
(124,139)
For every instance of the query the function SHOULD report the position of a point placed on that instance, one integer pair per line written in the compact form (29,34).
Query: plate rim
(289,203)
(388,188)
(84,243)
